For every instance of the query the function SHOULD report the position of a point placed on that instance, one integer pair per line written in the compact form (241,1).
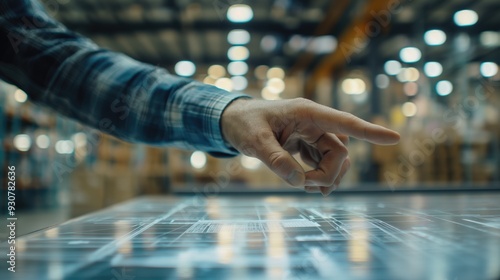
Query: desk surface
(362,236)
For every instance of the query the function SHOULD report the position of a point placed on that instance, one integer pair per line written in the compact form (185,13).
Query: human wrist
(229,115)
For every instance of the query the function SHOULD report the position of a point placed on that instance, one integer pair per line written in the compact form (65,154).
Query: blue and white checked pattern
(109,91)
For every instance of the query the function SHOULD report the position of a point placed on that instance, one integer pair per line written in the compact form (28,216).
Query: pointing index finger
(340,122)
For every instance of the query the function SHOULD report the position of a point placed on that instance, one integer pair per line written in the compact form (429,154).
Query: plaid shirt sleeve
(109,91)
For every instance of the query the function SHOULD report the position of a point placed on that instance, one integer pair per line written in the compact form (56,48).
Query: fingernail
(310,183)
(295,178)
(324,191)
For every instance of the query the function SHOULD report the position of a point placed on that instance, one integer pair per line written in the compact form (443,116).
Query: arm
(109,91)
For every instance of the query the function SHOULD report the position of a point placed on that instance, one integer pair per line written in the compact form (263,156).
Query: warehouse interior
(427,69)
(432,78)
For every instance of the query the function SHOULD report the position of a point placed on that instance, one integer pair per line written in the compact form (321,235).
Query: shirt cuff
(201,116)
(227,149)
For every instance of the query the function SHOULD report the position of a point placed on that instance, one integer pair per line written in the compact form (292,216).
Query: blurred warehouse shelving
(26,132)
(428,69)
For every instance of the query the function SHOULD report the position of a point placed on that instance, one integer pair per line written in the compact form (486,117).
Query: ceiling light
(80,139)
(237,68)
(20,96)
(410,88)
(275,85)
(382,81)
(64,147)
(198,160)
(185,68)
(43,141)
(238,53)
(401,76)
(269,43)
(444,87)
(216,71)
(209,80)
(239,13)
(22,142)
(433,69)
(410,54)
(411,74)
(261,71)
(353,86)
(268,95)
(490,38)
(323,44)
(238,37)
(488,69)
(298,43)
(275,72)
(465,18)
(239,83)
(225,84)
(392,67)
(434,37)
(409,109)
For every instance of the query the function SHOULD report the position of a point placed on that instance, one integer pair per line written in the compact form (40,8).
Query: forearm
(106,90)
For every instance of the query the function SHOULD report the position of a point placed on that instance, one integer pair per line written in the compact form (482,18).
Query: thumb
(280,161)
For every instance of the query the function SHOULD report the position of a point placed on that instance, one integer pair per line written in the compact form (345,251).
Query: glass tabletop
(359,236)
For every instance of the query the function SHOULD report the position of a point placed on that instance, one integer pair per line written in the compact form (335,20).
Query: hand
(274,130)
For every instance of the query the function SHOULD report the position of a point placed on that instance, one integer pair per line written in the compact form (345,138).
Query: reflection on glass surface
(52,233)
(122,228)
(225,244)
(213,209)
(185,266)
(277,258)
(359,242)
(493,253)
(350,237)
(55,270)
(273,199)
(149,237)
(21,245)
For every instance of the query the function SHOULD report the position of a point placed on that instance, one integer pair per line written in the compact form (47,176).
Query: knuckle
(327,178)
(249,150)
(263,136)
(301,100)
(348,118)
(331,179)
(342,151)
(277,159)
(302,103)
(347,163)
(301,107)
(346,115)
(278,122)
(344,139)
